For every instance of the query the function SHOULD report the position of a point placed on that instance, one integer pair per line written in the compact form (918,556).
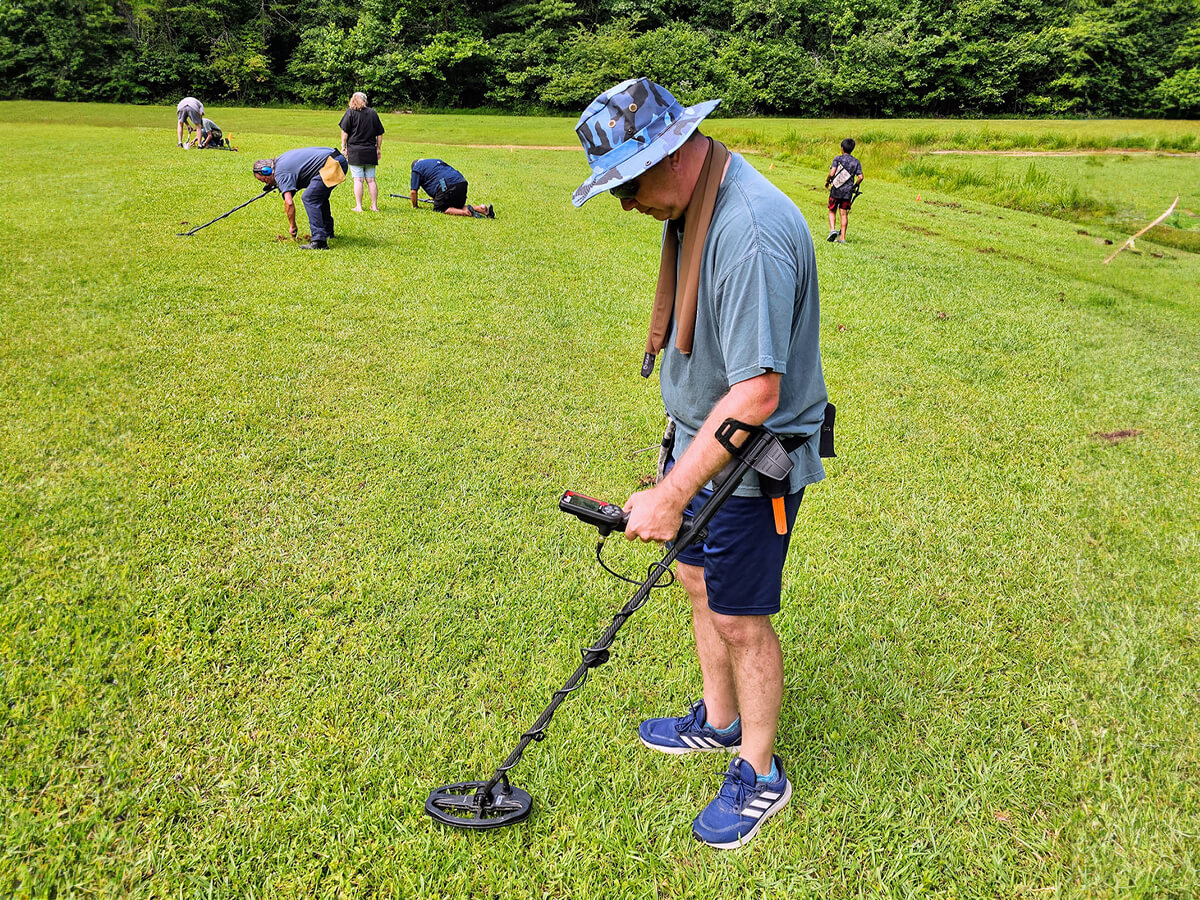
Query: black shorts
(453,197)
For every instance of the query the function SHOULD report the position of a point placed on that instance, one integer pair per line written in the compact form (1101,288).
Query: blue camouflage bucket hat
(628,129)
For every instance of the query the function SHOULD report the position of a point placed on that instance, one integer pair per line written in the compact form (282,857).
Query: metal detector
(267,188)
(480,805)
(407,197)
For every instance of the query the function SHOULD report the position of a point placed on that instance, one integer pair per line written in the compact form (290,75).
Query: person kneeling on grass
(448,188)
(314,170)
(211,137)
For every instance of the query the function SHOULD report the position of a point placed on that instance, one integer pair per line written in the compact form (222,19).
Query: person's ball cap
(264,167)
(629,128)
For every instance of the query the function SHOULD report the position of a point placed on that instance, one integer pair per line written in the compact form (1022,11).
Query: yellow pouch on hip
(332,173)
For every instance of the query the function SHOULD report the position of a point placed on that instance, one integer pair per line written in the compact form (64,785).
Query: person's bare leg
(358,188)
(720,697)
(832,222)
(756,661)
(845,221)
(373,190)
(179,132)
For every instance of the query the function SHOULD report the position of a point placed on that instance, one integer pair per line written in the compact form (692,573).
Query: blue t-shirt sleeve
(285,181)
(754,315)
(415,181)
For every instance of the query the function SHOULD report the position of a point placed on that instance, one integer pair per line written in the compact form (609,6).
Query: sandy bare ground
(511,147)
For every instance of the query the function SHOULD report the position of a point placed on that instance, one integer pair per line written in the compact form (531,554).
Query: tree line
(785,57)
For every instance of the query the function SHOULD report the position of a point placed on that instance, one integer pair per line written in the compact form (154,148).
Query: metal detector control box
(608,517)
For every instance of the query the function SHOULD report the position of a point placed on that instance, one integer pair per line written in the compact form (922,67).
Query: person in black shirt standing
(362,143)
(845,174)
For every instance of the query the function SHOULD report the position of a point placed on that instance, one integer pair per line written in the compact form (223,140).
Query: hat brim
(656,151)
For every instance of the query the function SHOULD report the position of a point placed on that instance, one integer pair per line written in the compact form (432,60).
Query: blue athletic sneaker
(741,806)
(689,734)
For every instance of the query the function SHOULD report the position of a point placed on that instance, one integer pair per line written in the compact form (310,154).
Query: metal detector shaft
(223,215)
(407,197)
(596,655)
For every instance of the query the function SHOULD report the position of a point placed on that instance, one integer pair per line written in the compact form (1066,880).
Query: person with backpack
(845,175)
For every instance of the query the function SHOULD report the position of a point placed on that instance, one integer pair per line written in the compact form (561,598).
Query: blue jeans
(316,205)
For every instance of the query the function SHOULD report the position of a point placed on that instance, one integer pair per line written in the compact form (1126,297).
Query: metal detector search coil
(480,805)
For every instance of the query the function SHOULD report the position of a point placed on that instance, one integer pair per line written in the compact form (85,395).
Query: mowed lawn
(280,550)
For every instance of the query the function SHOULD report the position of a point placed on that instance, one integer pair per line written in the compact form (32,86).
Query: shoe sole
(680,751)
(749,836)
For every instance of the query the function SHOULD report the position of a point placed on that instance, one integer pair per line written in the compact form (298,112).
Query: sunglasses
(626,191)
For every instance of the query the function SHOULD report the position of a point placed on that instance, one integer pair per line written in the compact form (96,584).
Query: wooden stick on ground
(1129,243)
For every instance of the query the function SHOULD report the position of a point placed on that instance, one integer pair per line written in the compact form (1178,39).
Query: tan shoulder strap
(669,299)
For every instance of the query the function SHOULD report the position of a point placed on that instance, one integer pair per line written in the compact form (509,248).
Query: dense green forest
(797,57)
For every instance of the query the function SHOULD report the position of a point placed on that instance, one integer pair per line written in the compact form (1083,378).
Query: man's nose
(628,203)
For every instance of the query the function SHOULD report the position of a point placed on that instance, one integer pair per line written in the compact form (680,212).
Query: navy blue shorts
(743,555)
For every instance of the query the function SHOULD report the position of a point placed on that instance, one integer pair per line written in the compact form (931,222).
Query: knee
(741,631)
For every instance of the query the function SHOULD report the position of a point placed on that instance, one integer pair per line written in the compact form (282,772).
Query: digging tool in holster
(773,474)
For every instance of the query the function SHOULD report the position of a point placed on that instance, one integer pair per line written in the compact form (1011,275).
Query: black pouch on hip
(825,447)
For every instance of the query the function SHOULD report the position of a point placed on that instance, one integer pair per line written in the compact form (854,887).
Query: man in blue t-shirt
(845,175)
(314,170)
(737,319)
(448,188)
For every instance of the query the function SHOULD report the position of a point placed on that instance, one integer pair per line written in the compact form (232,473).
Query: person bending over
(189,110)
(315,171)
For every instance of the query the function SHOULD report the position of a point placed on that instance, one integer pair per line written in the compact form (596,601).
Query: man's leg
(756,661)
(742,667)
(358,192)
(845,220)
(720,695)
(373,190)
(316,206)
(327,214)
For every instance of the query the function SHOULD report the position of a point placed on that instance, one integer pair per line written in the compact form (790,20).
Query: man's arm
(413,194)
(345,137)
(289,209)
(378,146)
(656,514)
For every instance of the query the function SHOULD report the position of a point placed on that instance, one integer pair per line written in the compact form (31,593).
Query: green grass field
(280,550)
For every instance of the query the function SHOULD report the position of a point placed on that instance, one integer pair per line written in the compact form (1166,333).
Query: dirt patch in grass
(1115,437)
